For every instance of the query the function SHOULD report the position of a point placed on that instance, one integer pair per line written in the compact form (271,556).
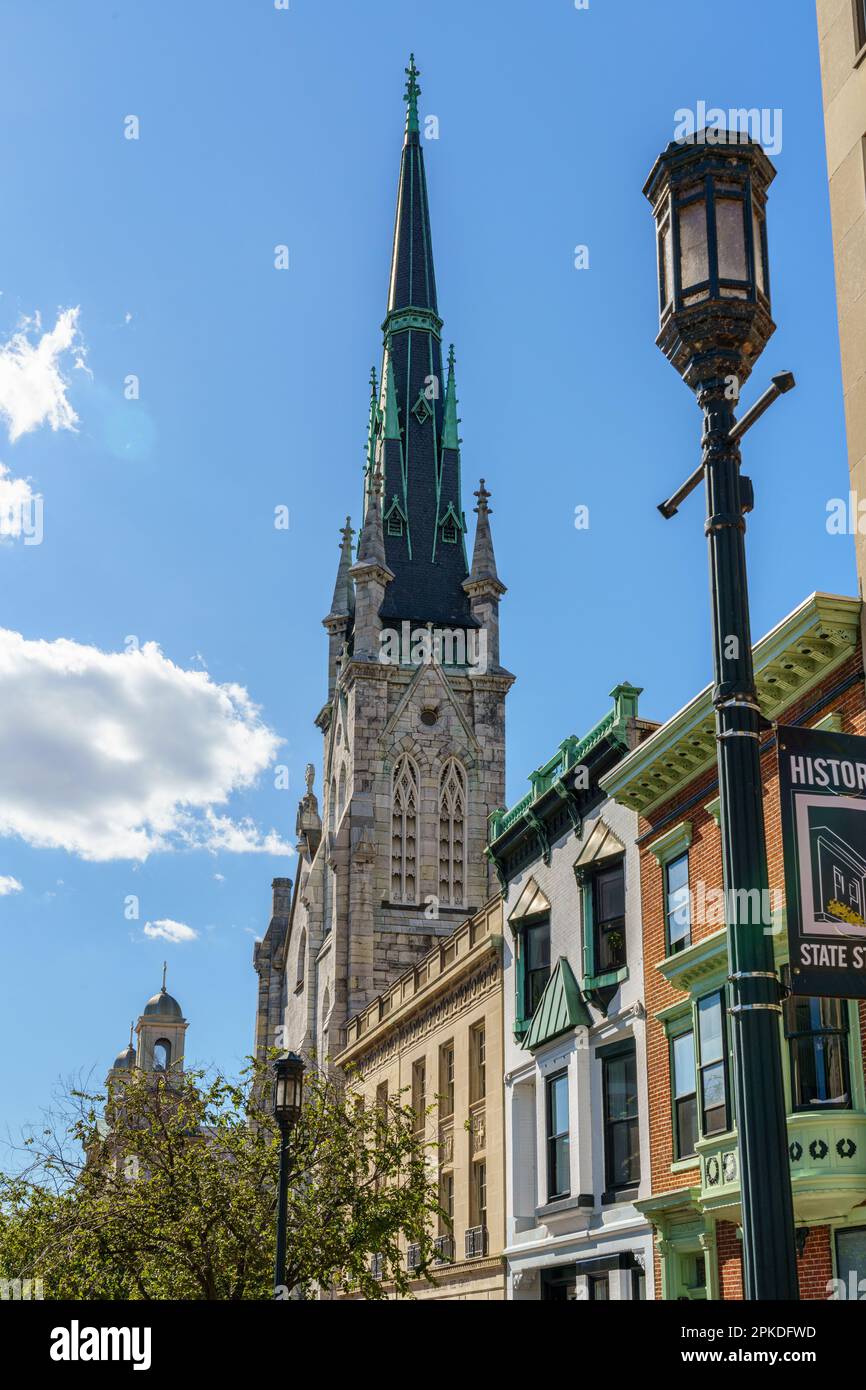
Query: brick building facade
(809,671)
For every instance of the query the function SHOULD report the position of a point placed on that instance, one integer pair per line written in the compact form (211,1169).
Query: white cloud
(167,930)
(32,385)
(115,755)
(8,884)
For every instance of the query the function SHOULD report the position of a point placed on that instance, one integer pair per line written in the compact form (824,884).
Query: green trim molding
(672,844)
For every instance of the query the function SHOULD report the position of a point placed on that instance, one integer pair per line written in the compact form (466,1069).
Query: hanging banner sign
(822,785)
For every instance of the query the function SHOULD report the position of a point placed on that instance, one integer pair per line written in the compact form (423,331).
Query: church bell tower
(413,727)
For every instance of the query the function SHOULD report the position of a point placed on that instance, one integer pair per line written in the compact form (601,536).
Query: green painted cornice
(559,1009)
(797,655)
(570,754)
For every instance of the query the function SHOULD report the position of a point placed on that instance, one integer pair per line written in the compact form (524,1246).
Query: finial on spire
(450,435)
(164,972)
(413,91)
(131,1031)
(483,497)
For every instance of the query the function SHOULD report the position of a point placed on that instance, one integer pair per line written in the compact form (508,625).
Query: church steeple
(417,449)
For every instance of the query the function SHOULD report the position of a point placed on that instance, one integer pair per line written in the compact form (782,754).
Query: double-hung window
(558,1170)
(621,1128)
(678,917)
(685,1101)
(608,915)
(713,1064)
(536,968)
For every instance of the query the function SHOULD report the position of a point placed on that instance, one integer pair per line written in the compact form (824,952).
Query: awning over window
(560,1007)
(531,903)
(602,844)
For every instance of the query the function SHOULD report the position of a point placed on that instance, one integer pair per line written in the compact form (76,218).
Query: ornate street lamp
(287,1098)
(709,202)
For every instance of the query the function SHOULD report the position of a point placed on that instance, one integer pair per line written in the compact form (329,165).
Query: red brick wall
(814,1266)
(730,1256)
(705,862)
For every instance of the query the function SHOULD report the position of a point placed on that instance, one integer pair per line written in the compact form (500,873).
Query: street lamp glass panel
(288,1087)
(731,239)
(758,239)
(666,265)
(694,254)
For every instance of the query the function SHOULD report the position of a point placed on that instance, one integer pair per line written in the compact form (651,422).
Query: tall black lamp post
(709,200)
(287,1097)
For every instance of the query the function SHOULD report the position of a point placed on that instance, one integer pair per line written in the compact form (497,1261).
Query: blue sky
(261,127)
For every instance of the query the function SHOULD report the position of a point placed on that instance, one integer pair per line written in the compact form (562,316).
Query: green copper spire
(413,91)
(450,439)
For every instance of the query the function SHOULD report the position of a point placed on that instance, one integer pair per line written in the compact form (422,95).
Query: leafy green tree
(165,1188)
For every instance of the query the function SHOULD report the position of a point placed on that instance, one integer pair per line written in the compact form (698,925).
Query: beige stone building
(436,1035)
(842,41)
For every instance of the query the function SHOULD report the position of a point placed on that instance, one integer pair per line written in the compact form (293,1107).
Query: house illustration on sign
(831,849)
(839,885)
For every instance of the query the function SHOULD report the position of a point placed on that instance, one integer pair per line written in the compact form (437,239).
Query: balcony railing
(413,1257)
(444,1247)
(476,1242)
(377,1266)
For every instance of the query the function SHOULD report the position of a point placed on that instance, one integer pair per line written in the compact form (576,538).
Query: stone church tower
(413,727)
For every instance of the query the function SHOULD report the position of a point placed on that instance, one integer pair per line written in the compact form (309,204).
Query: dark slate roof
(417,469)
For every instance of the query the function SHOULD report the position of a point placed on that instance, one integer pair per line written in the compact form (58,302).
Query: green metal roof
(560,1008)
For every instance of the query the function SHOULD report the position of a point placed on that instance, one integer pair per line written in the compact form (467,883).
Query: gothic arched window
(341,795)
(404,831)
(161,1054)
(452,833)
(301,968)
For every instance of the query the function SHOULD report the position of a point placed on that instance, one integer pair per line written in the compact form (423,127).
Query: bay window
(817,1034)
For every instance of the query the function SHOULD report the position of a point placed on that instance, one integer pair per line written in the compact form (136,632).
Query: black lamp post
(709,200)
(287,1097)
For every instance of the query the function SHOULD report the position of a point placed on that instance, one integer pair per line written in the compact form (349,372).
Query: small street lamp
(287,1097)
(709,203)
